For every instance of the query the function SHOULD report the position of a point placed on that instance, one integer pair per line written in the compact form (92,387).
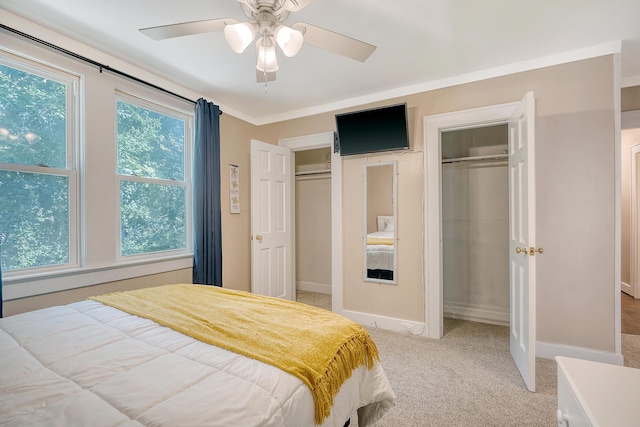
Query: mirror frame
(365,208)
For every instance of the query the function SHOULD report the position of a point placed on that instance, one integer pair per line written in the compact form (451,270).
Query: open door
(522,245)
(271,227)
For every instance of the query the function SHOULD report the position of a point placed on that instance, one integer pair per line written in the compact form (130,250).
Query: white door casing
(311,142)
(271,227)
(522,244)
(631,120)
(635,217)
(434,125)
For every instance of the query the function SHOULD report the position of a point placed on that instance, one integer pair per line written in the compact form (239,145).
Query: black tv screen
(370,131)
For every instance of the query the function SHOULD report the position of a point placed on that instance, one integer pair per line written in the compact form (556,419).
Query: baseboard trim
(543,350)
(388,323)
(549,351)
(320,288)
(626,288)
(476,313)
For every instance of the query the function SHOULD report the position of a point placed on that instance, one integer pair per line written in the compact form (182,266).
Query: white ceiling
(420,44)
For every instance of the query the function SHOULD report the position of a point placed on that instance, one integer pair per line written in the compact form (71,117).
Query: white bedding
(89,364)
(380,257)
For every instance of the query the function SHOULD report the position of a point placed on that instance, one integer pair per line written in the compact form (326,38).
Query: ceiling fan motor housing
(266,22)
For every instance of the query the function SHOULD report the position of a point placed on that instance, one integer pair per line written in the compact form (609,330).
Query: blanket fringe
(358,350)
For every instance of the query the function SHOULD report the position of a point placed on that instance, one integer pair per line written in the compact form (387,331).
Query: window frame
(187,183)
(71,172)
(94,183)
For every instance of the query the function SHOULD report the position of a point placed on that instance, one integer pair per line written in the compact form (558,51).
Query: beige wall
(313,232)
(475,240)
(403,300)
(630,98)
(575,134)
(235,137)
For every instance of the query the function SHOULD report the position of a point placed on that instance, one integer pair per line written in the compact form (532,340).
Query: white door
(522,256)
(271,228)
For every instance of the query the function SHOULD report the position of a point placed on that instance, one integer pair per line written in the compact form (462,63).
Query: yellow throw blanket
(317,346)
(379,240)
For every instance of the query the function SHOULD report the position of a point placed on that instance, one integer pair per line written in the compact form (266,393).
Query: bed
(381,249)
(90,363)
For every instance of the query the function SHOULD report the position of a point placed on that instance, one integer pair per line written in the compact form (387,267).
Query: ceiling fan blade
(187,28)
(248,3)
(296,5)
(271,77)
(338,43)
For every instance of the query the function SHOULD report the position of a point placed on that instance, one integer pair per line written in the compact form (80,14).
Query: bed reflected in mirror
(380,222)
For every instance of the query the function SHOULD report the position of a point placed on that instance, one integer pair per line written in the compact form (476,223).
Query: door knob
(259,238)
(532,251)
(521,250)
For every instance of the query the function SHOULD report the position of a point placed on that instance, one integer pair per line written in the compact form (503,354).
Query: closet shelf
(476,158)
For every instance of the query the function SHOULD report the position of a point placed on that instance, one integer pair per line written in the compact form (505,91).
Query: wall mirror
(380,222)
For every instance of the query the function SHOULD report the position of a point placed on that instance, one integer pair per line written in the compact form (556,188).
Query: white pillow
(388,225)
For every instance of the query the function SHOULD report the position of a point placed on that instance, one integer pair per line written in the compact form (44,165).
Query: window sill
(37,284)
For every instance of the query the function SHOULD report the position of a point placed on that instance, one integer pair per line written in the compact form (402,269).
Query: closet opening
(475,224)
(312,202)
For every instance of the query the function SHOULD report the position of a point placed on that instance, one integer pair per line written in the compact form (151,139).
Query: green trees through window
(34,171)
(153,188)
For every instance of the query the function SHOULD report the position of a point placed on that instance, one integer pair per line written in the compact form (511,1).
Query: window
(66,131)
(37,167)
(154,178)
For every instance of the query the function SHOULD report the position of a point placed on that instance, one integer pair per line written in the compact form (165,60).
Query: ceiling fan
(266,23)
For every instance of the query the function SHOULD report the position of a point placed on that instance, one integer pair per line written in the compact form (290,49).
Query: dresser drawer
(597,394)
(570,414)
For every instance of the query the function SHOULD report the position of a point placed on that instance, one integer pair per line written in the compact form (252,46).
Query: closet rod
(476,159)
(313,173)
(100,66)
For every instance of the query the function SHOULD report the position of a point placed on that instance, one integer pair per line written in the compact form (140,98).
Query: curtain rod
(100,66)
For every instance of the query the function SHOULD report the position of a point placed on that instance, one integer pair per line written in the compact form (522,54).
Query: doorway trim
(433,126)
(631,120)
(633,253)
(310,142)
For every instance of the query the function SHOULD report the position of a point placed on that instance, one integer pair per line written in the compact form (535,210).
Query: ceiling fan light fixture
(266,60)
(289,39)
(239,36)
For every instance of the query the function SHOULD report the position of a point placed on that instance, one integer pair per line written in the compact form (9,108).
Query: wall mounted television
(374,130)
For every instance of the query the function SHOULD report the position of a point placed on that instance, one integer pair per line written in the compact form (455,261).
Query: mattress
(90,364)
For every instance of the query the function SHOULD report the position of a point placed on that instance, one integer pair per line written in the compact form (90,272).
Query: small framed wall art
(234,188)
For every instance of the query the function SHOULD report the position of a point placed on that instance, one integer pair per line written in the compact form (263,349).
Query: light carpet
(467,378)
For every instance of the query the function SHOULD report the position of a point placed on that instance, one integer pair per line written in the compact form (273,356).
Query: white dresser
(597,394)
